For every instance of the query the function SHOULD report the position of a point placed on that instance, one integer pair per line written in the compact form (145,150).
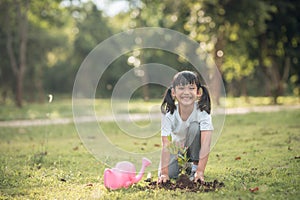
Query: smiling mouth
(186,97)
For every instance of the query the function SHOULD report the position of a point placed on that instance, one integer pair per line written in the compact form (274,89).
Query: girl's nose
(186,90)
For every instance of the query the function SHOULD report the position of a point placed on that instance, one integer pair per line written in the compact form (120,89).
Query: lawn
(255,150)
(61,107)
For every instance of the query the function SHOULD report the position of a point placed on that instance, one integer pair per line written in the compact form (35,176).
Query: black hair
(185,78)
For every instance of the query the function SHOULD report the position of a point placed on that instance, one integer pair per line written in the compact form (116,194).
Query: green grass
(232,102)
(50,162)
(61,107)
(57,109)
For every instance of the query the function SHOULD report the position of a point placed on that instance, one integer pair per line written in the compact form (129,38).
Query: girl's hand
(163,178)
(199,175)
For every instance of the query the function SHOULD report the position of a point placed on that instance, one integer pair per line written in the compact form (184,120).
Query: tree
(167,14)
(16,17)
(89,28)
(31,35)
(279,46)
(6,74)
(227,30)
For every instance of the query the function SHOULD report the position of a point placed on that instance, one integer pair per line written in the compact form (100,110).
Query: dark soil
(185,184)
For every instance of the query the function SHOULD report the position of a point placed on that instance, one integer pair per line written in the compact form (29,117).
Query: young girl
(188,123)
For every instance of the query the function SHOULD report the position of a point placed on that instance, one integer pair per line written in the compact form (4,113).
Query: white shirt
(172,124)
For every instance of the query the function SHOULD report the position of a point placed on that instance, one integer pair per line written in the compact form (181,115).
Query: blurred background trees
(255,44)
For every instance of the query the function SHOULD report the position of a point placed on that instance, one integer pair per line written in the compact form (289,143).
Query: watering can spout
(145,163)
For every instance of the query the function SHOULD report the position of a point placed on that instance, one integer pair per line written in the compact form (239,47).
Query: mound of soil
(184,183)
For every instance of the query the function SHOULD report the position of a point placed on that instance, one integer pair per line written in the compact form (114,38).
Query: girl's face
(186,95)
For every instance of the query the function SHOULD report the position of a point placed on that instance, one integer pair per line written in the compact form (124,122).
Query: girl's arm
(203,154)
(165,158)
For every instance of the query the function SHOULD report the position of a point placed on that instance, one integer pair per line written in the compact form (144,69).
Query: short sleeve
(205,121)
(166,125)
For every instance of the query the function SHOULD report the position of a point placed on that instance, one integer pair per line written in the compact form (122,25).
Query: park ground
(257,157)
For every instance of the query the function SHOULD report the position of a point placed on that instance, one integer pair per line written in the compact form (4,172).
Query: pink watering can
(123,174)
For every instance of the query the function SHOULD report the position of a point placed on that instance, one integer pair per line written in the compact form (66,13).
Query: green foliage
(181,153)
(250,49)
(257,42)
(86,28)
(229,27)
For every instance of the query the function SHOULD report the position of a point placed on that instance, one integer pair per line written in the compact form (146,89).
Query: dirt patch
(185,184)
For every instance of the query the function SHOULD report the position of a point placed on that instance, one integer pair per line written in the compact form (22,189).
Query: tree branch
(23,36)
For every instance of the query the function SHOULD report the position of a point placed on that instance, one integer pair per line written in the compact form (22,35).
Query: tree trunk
(262,54)
(18,66)
(281,78)
(275,78)
(243,87)
(218,58)
(19,90)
